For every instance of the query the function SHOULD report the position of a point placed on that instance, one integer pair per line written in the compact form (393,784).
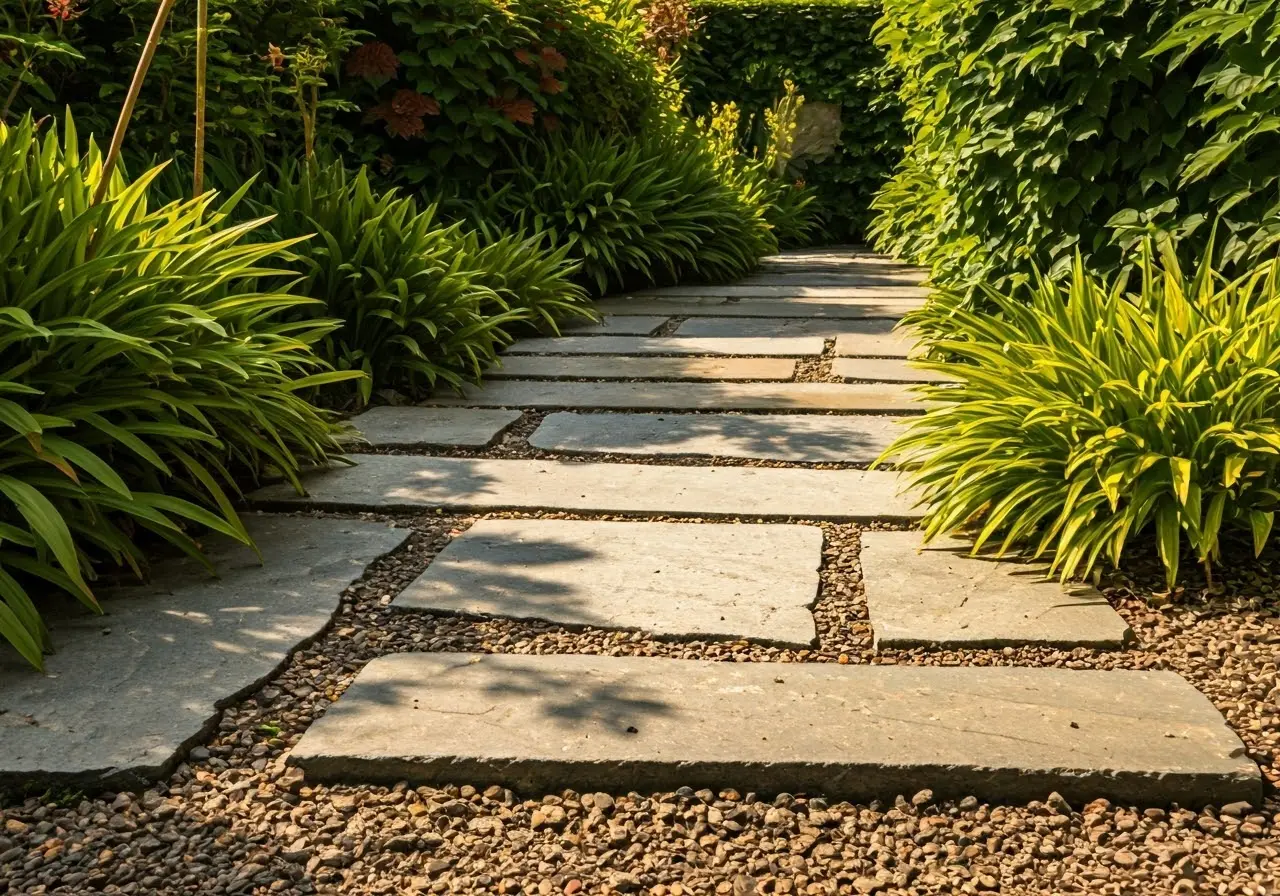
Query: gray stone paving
(683,580)
(126,693)
(883,370)
(412,427)
(621,367)
(613,325)
(900,344)
(540,724)
(863,397)
(940,597)
(898,291)
(789,328)
(848,309)
(799,439)
(387,482)
(666,345)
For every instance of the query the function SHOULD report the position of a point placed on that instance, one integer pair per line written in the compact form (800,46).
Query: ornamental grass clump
(145,376)
(1089,414)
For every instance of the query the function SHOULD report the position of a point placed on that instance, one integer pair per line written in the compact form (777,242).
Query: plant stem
(131,99)
(202,65)
(13,94)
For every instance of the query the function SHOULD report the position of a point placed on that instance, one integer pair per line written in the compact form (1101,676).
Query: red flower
(398,125)
(550,123)
(410,102)
(524,57)
(64,10)
(373,60)
(518,111)
(275,56)
(549,84)
(553,59)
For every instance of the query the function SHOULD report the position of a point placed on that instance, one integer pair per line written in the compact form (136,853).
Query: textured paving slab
(865,397)
(613,325)
(623,367)
(884,370)
(792,292)
(683,580)
(127,692)
(405,482)
(889,345)
(939,596)
(667,345)
(851,275)
(847,309)
(540,724)
(881,331)
(800,439)
(409,427)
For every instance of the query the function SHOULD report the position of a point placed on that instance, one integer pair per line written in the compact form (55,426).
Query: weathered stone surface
(540,724)
(860,332)
(613,325)
(408,427)
(406,482)
(849,276)
(800,439)
(867,397)
(668,345)
(888,291)
(899,344)
(685,580)
(847,309)
(127,692)
(940,596)
(623,367)
(883,370)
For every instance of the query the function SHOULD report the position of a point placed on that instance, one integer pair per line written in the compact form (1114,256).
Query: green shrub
(649,210)
(448,86)
(145,375)
(1087,415)
(421,302)
(744,51)
(1042,129)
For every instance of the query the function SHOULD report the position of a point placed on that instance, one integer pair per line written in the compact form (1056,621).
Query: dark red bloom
(548,84)
(410,102)
(373,60)
(553,59)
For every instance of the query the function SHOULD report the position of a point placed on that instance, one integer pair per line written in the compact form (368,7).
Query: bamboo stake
(202,64)
(131,99)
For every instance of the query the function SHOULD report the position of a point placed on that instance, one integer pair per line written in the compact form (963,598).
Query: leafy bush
(651,209)
(1042,129)
(145,375)
(420,302)
(1086,415)
(447,84)
(745,49)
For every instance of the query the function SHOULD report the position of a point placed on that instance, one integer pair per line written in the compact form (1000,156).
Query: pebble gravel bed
(234,819)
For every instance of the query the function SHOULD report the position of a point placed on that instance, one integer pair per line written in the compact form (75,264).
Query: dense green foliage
(1045,128)
(421,303)
(1090,412)
(641,211)
(744,51)
(145,373)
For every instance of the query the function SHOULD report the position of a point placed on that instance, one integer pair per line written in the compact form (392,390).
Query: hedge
(745,49)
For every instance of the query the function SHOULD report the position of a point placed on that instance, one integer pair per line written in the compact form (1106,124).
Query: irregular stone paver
(622,367)
(127,692)
(848,309)
(686,580)
(852,275)
(539,724)
(867,397)
(614,325)
(939,596)
(407,482)
(764,328)
(666,345)
(408,427)
(800,439)
(884,370)
(890,345)
(897,291)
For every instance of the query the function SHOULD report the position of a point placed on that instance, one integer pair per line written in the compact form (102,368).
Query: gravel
(234,819)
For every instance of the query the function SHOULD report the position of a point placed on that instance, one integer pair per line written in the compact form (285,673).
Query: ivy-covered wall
(744,51)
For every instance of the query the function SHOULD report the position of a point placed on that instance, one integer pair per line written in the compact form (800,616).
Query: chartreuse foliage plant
(144,374)
(1090,413)
(421,303)
(1045,129)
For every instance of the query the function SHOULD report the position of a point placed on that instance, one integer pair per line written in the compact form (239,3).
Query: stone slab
(799,439)
(666,345)
(872,345)
(938,596)
(846,309)
(884,370)
(613,325)
(866,336)
(401,482)
(412,427)
(127,693)
(860,397)
(681,580)
(623,367)
(793,292)
(540,724)
(851,275)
